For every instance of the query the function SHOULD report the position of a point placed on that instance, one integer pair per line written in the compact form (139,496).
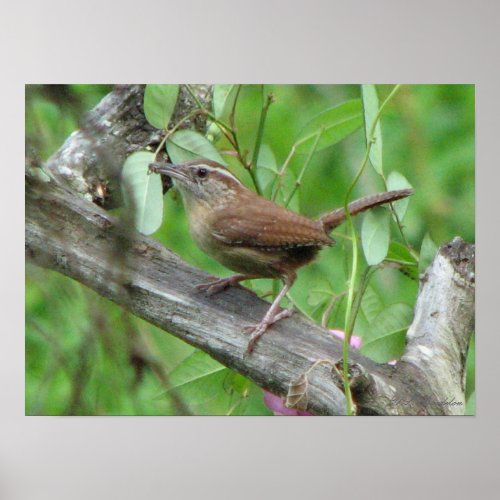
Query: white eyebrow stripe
(221,171)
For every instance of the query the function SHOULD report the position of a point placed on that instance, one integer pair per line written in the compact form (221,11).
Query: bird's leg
(220,284)
(272,315)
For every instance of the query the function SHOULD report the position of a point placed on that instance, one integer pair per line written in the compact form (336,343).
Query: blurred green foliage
(85,356)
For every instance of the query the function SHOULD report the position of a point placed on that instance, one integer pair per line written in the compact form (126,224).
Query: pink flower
(277,404)
(355,341)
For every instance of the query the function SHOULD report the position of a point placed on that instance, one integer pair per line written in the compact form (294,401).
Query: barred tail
(333,219)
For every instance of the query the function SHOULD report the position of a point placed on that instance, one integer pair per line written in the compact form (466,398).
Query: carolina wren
(250,234)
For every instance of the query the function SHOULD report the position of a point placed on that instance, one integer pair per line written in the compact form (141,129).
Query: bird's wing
(267,225)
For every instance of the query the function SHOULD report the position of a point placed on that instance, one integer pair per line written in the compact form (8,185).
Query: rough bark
(90,160)
(70,234)
(438,339)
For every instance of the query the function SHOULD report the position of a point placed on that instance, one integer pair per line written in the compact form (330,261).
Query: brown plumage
(250,234)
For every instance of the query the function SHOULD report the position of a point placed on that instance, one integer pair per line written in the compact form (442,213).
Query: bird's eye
(202,173)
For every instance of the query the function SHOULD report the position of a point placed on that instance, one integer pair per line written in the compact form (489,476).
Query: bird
(251,235)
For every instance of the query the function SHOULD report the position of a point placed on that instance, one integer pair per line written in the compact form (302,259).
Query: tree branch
(66,233)
(437,342)
(438,339)
(90,160)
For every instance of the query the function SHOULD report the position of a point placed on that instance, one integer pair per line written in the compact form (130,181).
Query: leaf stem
(348,324)
(325,317)
(410,248)
(168,133)
(258,139)
(233,109)
(229,132)
(194,96)
(304,167)
(205,111)
(281,172)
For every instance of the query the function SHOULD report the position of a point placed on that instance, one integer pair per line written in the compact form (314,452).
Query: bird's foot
(217,285)
(256,331)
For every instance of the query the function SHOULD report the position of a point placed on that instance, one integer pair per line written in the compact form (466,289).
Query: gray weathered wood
(93,155)
(438,339)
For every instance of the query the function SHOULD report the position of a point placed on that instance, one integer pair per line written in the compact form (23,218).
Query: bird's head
(203,180)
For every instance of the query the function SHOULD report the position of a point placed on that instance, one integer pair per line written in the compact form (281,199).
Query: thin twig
(412,251)
(281,172)
(304,167)
(258,139)
(168,133)
(352,279)
(325,317)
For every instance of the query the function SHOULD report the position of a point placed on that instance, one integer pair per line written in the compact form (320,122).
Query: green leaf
(213,133)
(375,236)
(159,104)
(318,297)
(334,124)
(267,172)
(387,334)
(221,98)
(245,397)
(386,348)
(370,108)
(198,378)
(185,145)
(288,185)
(400,253)
(206,395)
(255,402)
(267,169)
(371,304)
(142,192)
(196,366)
(427,253)
(236,383)
(247,116)
(398,181)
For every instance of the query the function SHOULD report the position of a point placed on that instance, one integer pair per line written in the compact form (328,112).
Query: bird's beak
(169,169)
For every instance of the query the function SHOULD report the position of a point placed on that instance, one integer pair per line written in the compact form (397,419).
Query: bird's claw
(256,331)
